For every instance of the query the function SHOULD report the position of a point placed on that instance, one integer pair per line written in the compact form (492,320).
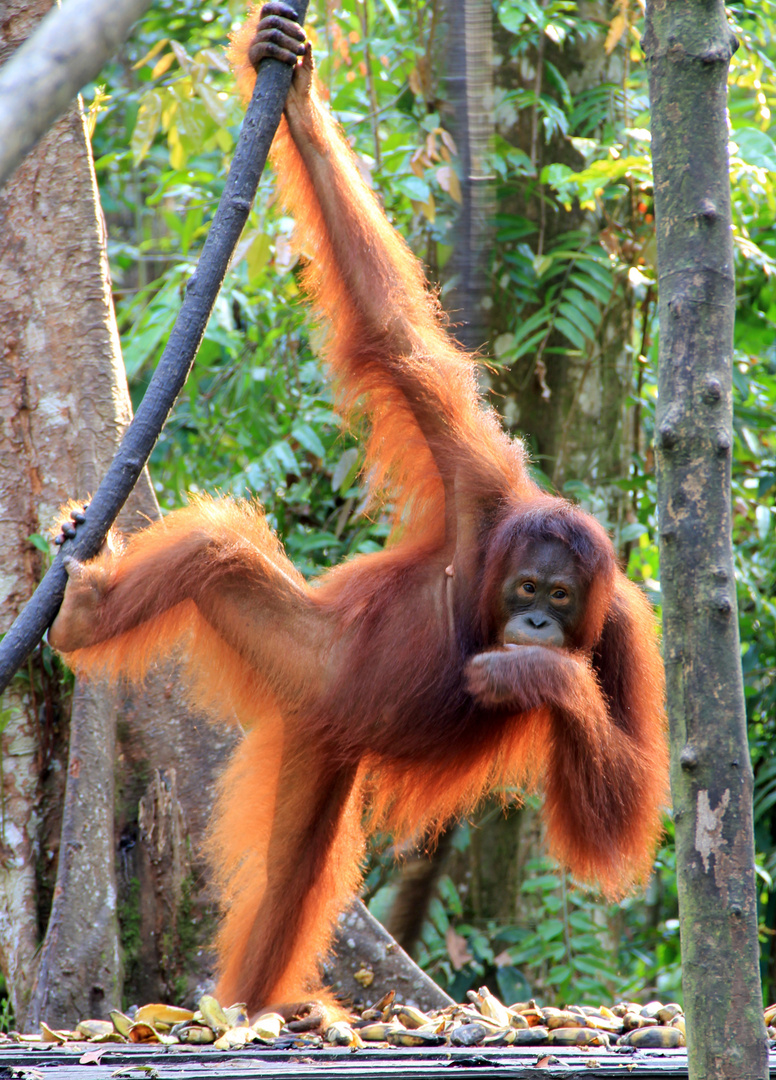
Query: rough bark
(50,267)
(495,862)
(168,760)
(79,971)
(368,962)
(688,45)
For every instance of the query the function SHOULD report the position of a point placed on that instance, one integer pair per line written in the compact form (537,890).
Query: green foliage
(7,1018)
(568,947)
(573,283)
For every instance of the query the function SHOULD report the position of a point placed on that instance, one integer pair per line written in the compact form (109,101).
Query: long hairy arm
(387,346)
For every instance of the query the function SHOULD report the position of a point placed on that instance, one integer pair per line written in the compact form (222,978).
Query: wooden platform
(195,1063)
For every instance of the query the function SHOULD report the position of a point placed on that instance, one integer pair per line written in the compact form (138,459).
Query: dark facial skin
(543,596)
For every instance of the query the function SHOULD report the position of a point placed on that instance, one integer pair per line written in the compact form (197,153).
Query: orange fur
(365,698)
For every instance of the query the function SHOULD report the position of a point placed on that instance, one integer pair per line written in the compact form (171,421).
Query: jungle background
(550,270)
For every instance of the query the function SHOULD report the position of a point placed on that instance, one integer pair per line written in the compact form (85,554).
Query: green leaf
(217,108)
(308,438)
(595,267)
(575,316)
(345,470)
(414,188)
(139,348)
(558,175)
(549,929)
(281,460)
(583,305)
(555,120)
(571,332)
(529,344)
(512,984)
(257,256)
(394,11)
(315,541)
(520,163)
(538,321)
(42,543)
(541,883)
(632,532)
(581,922)
(592,286)
(590,967)
(756,148)
(511,16)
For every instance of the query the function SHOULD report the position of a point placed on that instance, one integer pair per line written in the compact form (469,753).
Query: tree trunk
(50,268)
(53,303)
(79,971)
(470,81)
(361,945)
(688,46)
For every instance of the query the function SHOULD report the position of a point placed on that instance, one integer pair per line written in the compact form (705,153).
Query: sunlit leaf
(146,126)
(414,187)
(164,63)
(181,55)
(427,208)
(448,181)
(756,147)
(152,52)
(392,8)
(308,438)
(615,32)
(215,105)
(257,255)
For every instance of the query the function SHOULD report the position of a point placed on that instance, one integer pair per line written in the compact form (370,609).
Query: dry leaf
(92,1057)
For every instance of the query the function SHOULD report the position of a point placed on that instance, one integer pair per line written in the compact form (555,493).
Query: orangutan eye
(527,588)
(560,594)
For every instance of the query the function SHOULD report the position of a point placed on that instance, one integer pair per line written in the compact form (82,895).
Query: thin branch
(370,81)
(68,49)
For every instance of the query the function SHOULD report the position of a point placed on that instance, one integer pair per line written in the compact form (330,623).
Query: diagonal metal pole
(258,130)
